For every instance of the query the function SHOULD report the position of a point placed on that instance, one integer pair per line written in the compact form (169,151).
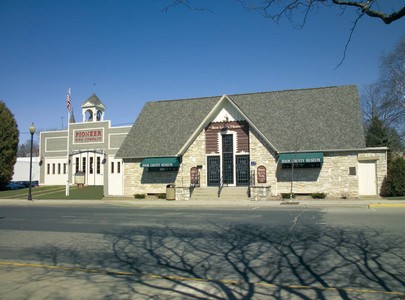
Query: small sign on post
(79,179)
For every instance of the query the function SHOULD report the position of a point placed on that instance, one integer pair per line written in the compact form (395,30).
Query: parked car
(14,186)
(27,183)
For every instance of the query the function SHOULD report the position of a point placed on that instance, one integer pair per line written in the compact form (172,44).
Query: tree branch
(348,40)
(366,8)
(185,3)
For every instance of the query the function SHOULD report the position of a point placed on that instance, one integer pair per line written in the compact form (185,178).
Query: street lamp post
(32,131)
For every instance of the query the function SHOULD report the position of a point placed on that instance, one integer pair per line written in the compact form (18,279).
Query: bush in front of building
(394,183)
(318,195)
(139,196)
(161,196)
(287,195)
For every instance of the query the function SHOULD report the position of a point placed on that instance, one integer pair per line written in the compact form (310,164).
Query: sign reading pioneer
(88,136)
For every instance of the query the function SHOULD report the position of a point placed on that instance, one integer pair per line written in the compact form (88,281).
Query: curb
(387,205)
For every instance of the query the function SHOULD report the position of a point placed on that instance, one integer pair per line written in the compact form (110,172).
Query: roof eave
(337,150)
(200,127)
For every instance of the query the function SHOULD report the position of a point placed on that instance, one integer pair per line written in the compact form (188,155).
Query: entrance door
(213,163)
(90,164)
(115,177)
(242,170)
(227,159)
(367,178)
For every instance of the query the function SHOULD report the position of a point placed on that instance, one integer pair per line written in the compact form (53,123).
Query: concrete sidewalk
(215,203)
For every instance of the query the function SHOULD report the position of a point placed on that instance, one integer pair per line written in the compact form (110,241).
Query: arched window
(89,115)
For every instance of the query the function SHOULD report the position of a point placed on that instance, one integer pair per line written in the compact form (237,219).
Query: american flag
(69,105)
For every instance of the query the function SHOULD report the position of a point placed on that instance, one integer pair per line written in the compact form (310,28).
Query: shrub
(318,195)
(139,196)
(161,196)
(287,195)
(394,183)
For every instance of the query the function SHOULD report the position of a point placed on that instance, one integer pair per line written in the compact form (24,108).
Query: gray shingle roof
(163,127)
(94,100)
(309,119)
(304,120)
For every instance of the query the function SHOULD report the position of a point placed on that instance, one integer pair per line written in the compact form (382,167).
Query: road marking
(181,278)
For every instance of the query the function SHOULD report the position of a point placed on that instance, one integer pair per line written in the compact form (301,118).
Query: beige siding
(56,144)
(116,140)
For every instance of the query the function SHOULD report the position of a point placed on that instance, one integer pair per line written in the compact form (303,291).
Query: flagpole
(69,107)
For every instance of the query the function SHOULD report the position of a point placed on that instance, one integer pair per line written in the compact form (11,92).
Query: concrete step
(227,193)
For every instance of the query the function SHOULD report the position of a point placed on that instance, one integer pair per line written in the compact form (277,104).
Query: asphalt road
(133,252)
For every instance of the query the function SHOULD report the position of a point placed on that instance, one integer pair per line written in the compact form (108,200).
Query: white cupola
(93,109)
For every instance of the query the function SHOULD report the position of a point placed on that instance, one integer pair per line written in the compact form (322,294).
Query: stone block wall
(332,178)
(194,156)
(138,180)
(263,156)
(260,193)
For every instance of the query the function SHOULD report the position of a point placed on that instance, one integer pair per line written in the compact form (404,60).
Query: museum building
(84,152)
(259,145)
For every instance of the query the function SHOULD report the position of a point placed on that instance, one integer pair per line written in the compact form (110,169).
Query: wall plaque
(261,174)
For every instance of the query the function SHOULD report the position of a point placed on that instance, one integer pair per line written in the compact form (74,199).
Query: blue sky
(134,53)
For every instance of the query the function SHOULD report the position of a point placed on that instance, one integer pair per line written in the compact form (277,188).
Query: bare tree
(393,74)
(386,97)
(24,150)
(297,11)
(276,9)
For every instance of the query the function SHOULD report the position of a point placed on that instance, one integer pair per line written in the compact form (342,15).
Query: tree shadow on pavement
(248,261)
(242,261)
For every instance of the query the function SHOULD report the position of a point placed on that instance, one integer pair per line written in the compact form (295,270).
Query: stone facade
(137,180)
(262,156)
(337,177)
(332,178)
(194,156)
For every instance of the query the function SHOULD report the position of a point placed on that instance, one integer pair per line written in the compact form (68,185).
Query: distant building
(255,143)
(87,148)
(22,169)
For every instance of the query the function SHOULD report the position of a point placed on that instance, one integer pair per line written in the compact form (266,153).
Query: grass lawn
(56,192)
(396,198)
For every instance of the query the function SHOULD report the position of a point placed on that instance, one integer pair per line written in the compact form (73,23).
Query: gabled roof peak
(93,100)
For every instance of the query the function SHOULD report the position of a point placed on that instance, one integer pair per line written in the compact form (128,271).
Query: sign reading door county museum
(88,136)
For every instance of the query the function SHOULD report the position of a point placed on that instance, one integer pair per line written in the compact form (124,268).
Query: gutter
(337,150)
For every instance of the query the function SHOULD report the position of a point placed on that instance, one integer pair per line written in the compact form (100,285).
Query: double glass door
(232,169)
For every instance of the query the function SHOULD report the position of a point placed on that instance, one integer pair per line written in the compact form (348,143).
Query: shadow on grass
(56,192)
